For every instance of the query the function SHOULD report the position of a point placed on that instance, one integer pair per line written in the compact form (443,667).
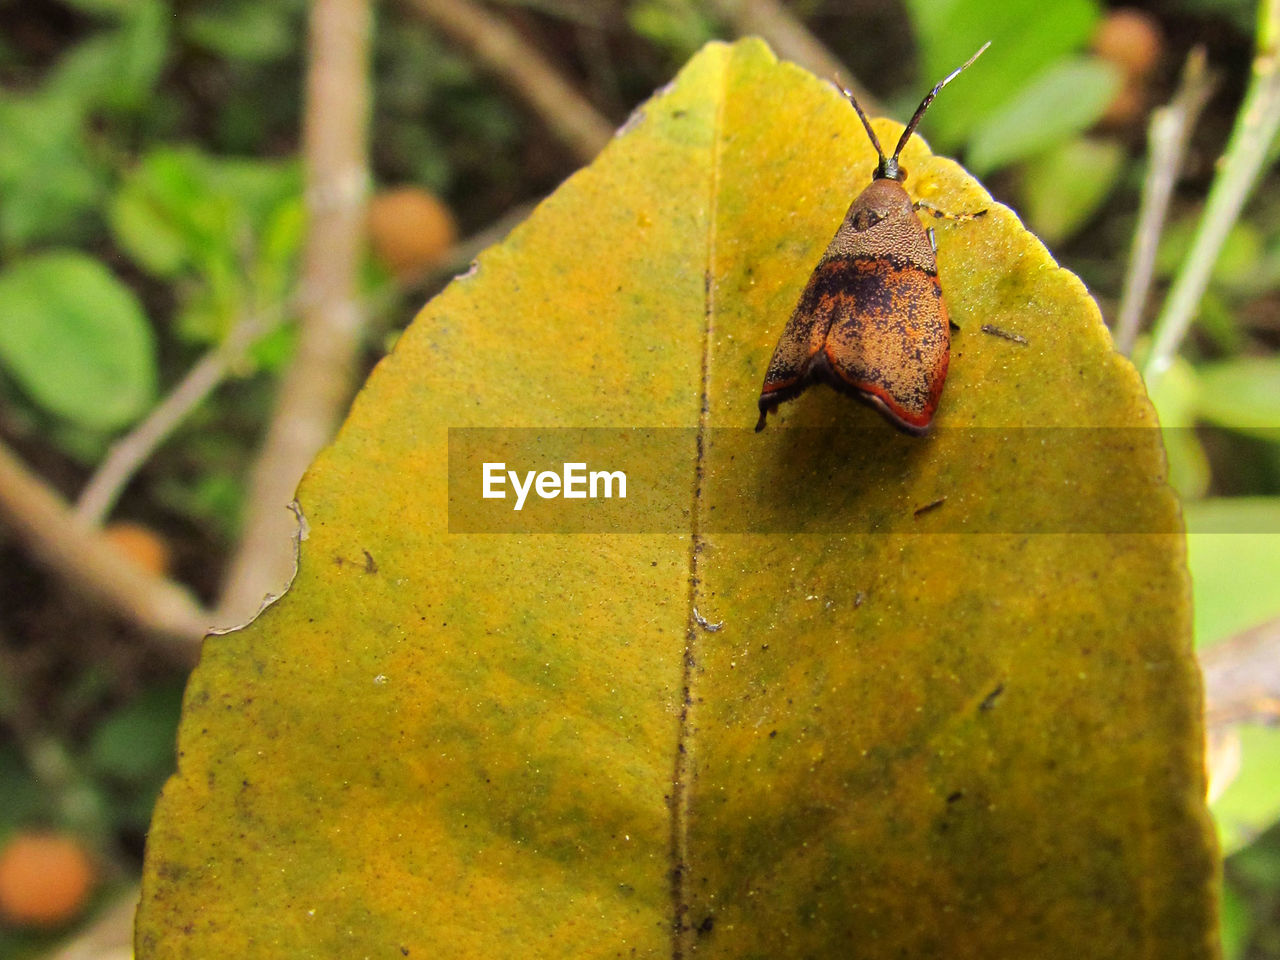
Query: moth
(871,321)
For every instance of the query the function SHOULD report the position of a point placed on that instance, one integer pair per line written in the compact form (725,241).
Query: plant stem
(1255,129)
(131,451)
(91,563)
(314,392)
(1167,138)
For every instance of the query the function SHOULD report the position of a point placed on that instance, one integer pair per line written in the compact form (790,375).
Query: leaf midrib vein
(682,930)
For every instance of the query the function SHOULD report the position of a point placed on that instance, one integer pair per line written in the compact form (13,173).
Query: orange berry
(410,229)
(45,879)
(140,544)
(1131,40)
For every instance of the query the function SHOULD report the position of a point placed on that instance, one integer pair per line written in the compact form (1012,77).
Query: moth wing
(802,341)
(890,345)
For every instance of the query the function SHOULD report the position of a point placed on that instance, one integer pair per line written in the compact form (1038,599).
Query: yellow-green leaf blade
(465,745)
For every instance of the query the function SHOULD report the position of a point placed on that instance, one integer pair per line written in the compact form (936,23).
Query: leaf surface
(691,742)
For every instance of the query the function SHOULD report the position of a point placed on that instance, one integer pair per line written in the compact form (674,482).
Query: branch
(317,385)
(504,53)
(1242,677)
(1168,136)
(134,449)
(1241,686)
(91,563)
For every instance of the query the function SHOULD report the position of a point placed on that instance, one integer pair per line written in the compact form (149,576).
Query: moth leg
(933,239)
(946,215)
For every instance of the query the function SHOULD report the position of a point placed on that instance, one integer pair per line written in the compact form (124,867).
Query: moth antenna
(924,105)
(865,122)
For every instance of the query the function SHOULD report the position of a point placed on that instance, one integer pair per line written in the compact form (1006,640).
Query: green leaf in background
(1243,268)
(49,183)
(677,26)
(132,752)
(21,799)
(135,743)
(274,350)
(1250,805)
(246,29)
(118,68)
(1065,186)
(1235,564)
(1218,321)
(1236,924)
(1234,556)
(214,497)
(231,229)
(690,742)
(1060,102)
(76,339)
(280,239)
(1174,398)
(1027,38)
(181,209)
(1242,394)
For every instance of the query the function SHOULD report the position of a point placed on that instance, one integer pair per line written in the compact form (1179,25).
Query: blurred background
(216,215)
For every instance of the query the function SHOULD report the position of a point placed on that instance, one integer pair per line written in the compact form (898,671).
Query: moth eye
(865,219)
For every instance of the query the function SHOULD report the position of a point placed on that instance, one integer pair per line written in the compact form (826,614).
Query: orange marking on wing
(920,420)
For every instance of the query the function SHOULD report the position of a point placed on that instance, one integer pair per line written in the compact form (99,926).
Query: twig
(90,562)
(134,449)
(317,385)
(1242,677)
(791,40)
(1167,136)
(503,52)
(1255,129)
(129,453)
(1241,686)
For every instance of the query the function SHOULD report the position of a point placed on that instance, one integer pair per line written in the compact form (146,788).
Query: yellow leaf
(692,741)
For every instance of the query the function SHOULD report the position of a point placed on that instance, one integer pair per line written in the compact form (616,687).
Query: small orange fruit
(142,545)
(45,879)
(1131,40)
(410,229)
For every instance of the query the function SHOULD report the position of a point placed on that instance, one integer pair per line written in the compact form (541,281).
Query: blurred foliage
(77,339)
(225,232)
(151,200)
(1066,184)
(1035,48)
(131,753)
(1058,102)
(679,27)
